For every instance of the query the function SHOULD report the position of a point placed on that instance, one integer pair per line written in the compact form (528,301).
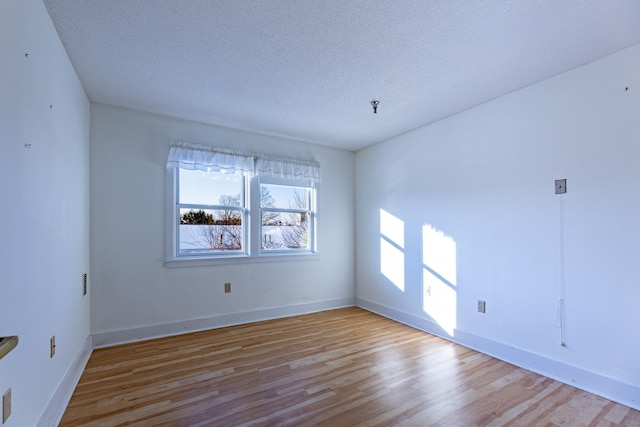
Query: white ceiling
(308,69)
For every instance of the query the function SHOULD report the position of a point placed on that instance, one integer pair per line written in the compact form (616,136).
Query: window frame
(197,206)
(311,211)
(252,230)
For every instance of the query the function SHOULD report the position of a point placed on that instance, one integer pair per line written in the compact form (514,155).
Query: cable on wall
(560,319)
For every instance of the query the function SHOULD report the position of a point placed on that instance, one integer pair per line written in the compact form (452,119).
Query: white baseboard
(58,404)
(611,389)
(106,339)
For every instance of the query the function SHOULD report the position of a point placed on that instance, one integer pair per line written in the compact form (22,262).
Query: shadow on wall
(439,294)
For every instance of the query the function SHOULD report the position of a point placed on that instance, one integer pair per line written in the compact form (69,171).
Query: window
(287,217)
(227,206)
(211,212)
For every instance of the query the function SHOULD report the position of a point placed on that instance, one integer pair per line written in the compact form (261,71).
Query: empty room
(314,213)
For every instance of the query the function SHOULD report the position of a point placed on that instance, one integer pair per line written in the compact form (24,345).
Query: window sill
(239,259)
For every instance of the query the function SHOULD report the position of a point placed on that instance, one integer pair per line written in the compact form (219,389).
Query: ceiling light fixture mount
(374,104)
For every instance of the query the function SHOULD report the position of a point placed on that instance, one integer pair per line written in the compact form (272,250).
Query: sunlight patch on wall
(392,228)
(392,248)
(392,263)
(439,295)
(439,253)
(439,301)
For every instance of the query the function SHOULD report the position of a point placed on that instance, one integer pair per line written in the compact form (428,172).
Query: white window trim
(313,249)
(253,253)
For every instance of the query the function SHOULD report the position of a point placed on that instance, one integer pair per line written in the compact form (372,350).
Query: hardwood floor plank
(344,367)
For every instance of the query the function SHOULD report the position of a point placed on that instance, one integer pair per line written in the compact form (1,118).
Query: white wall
(44,215)
(135,295)
(485,179)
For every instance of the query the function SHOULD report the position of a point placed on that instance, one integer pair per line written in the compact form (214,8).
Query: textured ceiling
(308,69)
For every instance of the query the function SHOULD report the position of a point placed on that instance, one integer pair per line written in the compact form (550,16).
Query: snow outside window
(226,206)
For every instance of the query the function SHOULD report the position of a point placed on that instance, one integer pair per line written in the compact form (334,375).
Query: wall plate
(482,306)
(6,406)
(561,186)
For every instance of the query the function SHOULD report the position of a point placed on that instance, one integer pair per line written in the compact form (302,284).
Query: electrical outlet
(482,306)
(6,406)
(52,346)
(84,284)
(227,288)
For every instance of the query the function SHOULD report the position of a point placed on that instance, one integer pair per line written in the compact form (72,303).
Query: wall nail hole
(26,55)
(626,88)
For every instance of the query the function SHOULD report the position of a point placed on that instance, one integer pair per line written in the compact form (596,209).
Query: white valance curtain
(288,169)
(200,157)
(206,158)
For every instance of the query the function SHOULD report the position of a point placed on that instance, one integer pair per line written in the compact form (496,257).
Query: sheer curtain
(207,158)
(288,169)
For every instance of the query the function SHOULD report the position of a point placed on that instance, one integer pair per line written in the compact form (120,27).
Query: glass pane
(284,197)
(210,230)
(210,188)
(285,230)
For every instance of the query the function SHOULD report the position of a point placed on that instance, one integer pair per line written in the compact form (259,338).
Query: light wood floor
(335,368)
